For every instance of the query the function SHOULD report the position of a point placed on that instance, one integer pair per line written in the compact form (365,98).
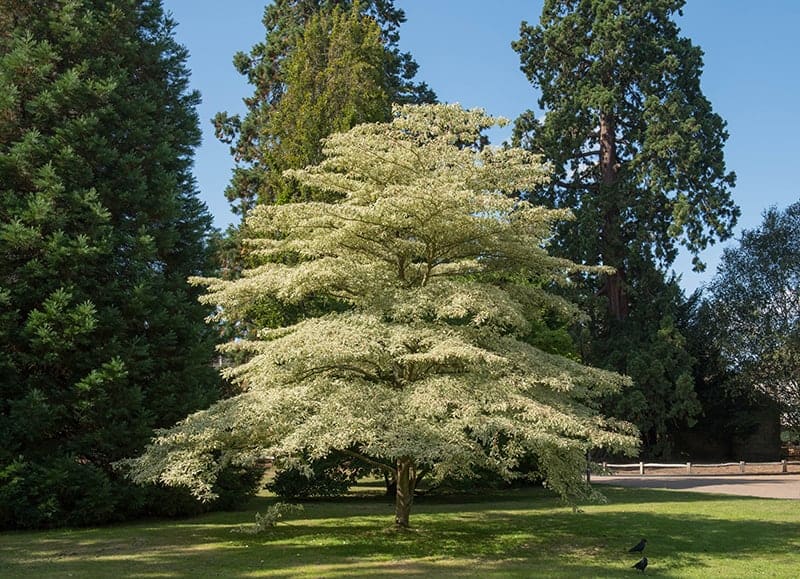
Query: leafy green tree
(341,87)
(755,303)
(101,337)
(637,153)
(424,371)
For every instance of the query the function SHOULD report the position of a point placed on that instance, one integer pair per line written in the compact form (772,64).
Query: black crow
(638,547)
(641,565)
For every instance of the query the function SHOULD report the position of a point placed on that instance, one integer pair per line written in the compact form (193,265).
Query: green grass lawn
(523,533)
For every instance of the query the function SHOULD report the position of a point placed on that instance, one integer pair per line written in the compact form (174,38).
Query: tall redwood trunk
(406,481)
(611,243)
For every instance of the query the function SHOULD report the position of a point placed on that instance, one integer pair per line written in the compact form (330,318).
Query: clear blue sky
(751,76)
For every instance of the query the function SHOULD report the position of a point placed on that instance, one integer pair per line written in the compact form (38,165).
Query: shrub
(327,477)
(62,492)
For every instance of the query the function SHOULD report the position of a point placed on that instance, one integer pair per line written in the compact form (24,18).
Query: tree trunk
(391,485)
(614,290)
(611,244)
(406,481)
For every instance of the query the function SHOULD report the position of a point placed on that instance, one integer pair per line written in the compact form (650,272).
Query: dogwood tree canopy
(437,275)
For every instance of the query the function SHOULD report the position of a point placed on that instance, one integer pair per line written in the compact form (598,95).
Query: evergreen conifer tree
(309,27)
(100,225)
(335,79)
(637,154)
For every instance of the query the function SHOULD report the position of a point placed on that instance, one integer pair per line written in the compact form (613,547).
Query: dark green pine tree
(342,87)
(101,338)
(638,156)
(335,79)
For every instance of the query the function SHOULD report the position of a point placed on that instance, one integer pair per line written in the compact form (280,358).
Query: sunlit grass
(514,534)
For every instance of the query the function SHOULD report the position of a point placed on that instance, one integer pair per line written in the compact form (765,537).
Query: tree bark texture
(406,481)
(612,246)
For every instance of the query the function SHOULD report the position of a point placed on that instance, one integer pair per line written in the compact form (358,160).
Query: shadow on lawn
(523,535)
(525,498)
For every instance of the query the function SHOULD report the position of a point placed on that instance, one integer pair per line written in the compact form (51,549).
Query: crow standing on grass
(638,547)
(641,565)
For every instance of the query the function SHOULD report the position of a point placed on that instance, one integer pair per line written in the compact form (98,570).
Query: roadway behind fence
(690,468)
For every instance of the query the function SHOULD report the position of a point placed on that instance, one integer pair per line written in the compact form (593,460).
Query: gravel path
(777,486)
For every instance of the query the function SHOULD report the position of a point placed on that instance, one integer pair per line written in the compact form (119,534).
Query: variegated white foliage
(441,273)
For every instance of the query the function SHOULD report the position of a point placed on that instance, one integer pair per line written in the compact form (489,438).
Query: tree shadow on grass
(525,497)
(531,535)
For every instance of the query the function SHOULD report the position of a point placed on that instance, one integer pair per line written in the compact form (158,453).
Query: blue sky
(751,77)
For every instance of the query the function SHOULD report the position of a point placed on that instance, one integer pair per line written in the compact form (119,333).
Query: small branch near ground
(274,514)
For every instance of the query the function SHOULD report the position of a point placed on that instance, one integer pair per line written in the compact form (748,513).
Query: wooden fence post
(688,468)
(783,465)
(741,466)
(641,468)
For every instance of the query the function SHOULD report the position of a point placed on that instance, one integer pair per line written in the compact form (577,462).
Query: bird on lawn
(641,565)
(638,547)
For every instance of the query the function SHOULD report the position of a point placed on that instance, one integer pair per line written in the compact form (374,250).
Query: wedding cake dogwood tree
(431,277)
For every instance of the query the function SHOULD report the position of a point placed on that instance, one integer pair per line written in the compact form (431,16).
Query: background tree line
(103,340)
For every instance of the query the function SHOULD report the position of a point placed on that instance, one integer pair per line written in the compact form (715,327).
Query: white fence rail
(688,466)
